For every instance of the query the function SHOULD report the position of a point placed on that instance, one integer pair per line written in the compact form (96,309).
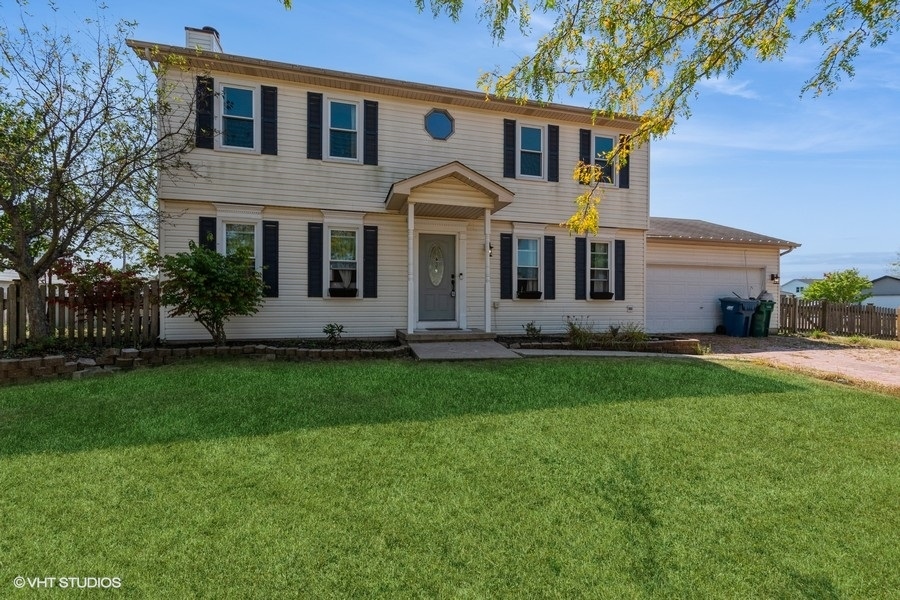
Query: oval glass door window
(436,265)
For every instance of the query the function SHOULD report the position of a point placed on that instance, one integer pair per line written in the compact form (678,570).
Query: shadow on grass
(212,400)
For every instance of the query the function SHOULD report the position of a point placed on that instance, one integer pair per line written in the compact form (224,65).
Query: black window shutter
(506,274)
(370,262)
(314,260)
(619,263)
(624,175)
(204,128)
(314,126)
(269,119)
(509,148)
(549,267)
(270,258)
(581,268)
(553,152)
(207,236)
(370,132)
(585,154)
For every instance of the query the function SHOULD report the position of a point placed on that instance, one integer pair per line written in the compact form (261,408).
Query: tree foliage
(80,147)
(96,282)
(211,287)
(646,58)
(847,286)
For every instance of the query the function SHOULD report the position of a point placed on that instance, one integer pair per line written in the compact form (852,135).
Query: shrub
(211,287)
(580,332)
(333,332)
(532,331)
(97,282)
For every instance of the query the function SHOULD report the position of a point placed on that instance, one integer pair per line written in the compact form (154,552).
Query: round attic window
(439,124)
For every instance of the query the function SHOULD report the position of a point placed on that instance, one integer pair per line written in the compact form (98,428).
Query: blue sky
(823,172)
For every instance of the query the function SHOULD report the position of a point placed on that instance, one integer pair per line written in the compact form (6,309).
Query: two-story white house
(386,205)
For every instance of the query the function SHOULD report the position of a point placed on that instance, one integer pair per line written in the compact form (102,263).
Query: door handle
(452,285)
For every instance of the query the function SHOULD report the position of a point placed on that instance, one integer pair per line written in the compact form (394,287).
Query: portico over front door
(437,279)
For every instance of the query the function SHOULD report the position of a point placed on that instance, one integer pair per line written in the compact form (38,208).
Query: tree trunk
(35,308)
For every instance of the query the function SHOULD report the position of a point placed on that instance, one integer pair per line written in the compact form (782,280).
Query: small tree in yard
(211,287)
(847,286)
(85,131)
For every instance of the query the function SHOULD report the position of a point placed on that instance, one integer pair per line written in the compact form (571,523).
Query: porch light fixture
(774,277)
(490,249)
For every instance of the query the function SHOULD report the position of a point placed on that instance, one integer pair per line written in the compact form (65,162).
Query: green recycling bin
(759,325)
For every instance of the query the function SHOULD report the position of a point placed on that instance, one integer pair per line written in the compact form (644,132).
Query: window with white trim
(599,280)
(343,269)
(240,236)
(603,145)
(239,115)
(343,140)
(531,156)
(528,268)
(343,261)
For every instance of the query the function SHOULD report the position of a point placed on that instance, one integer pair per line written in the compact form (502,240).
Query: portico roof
(488,194)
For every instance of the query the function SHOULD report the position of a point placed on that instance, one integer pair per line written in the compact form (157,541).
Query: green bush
(580,331)
(211,287)
(333,332)
(532,330)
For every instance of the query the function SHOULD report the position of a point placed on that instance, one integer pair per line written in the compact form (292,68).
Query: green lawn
(613,478)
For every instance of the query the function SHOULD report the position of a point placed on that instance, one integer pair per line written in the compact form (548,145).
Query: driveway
(873,367)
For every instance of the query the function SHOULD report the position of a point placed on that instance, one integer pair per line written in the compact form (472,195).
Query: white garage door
(686,299)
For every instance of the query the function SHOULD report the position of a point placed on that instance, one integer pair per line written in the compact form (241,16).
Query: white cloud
(729,87)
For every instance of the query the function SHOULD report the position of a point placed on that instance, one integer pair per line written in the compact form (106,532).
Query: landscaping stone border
(661,346)
(27,370)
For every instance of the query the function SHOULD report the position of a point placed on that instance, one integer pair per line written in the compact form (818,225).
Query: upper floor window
(238,117)
(343,130)
(439,124)
(603,146)
(531,151)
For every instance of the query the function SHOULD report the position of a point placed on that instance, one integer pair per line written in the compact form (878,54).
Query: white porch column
(487,270)
(410,268)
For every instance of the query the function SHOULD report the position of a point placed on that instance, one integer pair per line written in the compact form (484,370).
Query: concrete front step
(443,335)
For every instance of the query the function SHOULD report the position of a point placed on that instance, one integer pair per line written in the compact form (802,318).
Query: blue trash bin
(737,314)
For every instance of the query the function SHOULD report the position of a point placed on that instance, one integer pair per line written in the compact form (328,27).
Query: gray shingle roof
(704,231)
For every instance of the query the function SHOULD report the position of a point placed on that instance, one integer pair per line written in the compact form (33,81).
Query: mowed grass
(612,478)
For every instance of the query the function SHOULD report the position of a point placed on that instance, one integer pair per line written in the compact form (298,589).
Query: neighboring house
(692,263)
(386,205)
(796,287)
(7,277)
(885,292)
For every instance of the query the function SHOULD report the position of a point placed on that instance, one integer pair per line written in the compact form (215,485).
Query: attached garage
(691,264)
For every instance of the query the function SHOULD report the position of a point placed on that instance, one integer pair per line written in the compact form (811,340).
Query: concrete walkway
(472,350)
(873,367)
(484,349)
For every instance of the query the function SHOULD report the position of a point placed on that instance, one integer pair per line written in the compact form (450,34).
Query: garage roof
(666,228)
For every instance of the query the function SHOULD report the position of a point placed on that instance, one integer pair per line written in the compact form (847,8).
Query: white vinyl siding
(405,149)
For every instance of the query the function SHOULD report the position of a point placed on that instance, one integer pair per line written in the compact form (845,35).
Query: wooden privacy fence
(804,316)
(134,320)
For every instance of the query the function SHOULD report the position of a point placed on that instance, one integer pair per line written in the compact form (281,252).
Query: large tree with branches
(647,58)
(80,145)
